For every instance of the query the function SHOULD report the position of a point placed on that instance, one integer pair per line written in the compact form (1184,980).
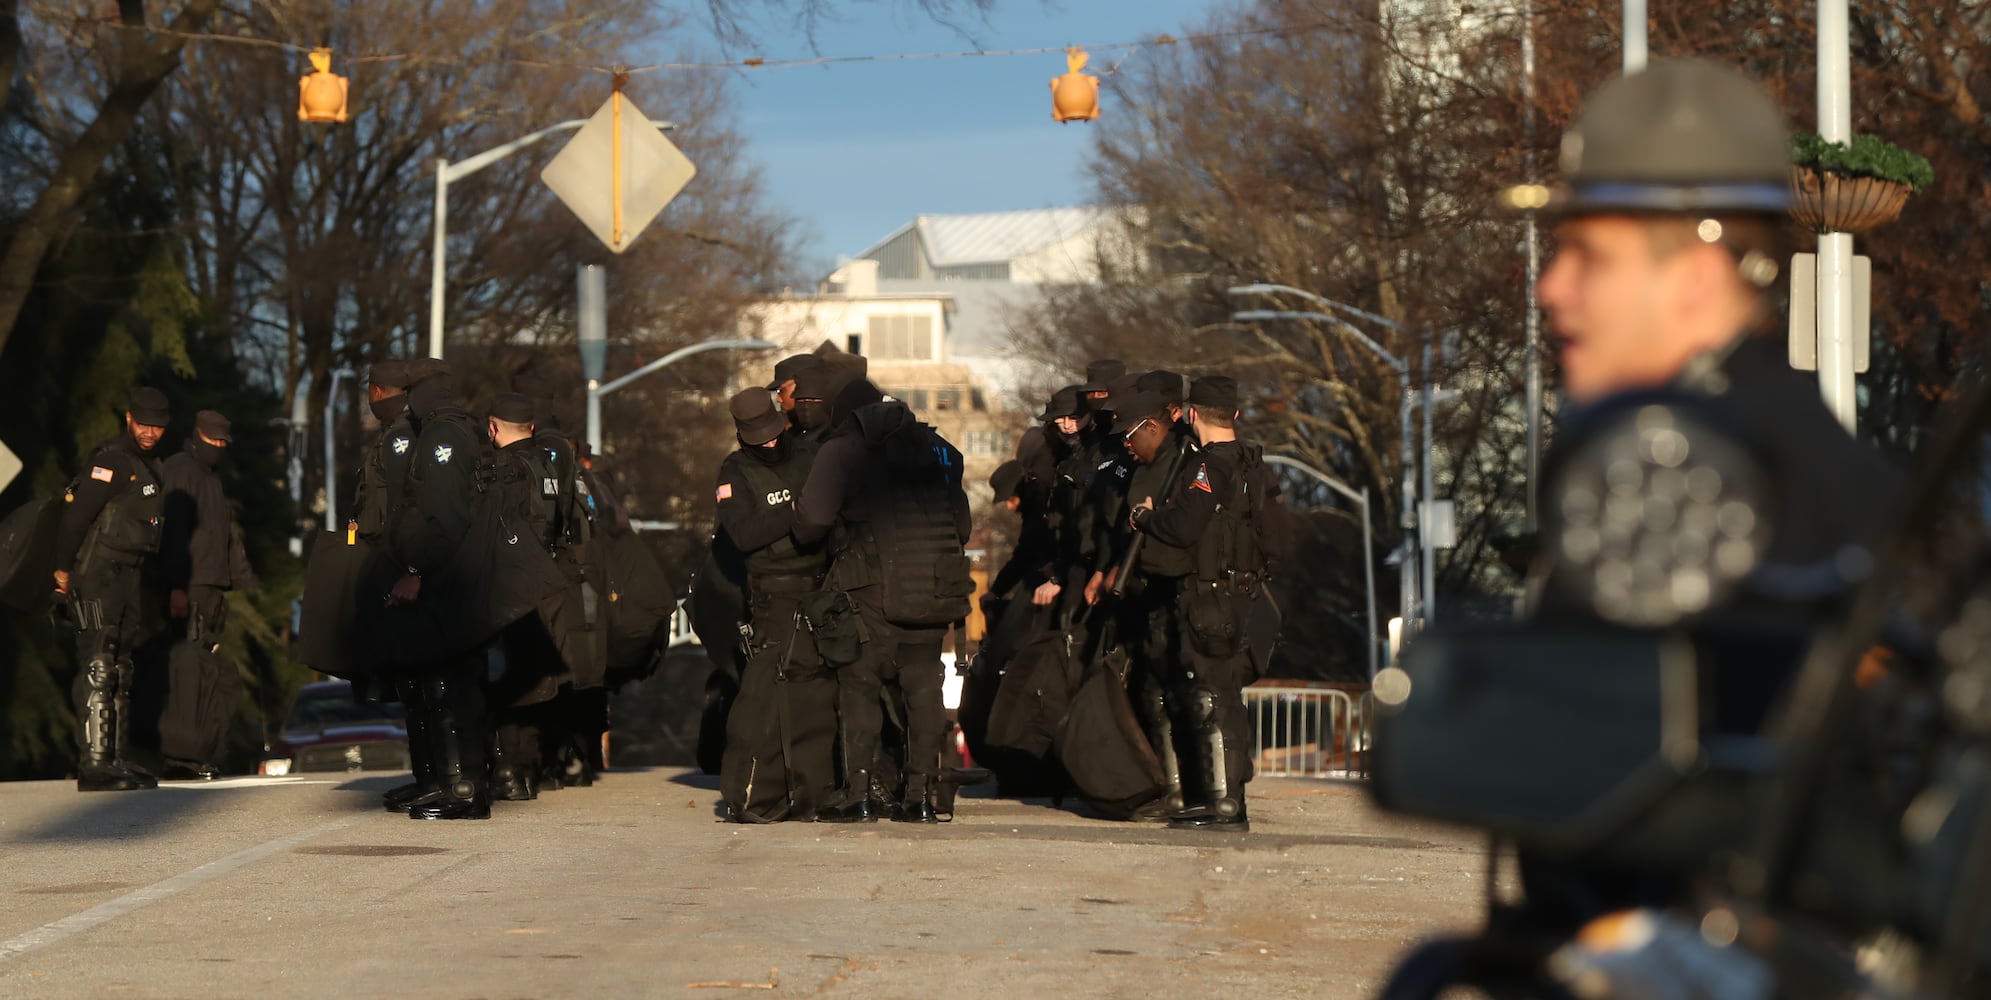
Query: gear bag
(781,731)
(201,697)
(1103,748)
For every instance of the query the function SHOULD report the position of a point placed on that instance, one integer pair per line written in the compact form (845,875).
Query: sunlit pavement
(304,887)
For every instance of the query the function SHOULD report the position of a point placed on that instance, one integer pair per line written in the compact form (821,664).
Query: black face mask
(769,455)
(811,415)
(206,454)
(388,408)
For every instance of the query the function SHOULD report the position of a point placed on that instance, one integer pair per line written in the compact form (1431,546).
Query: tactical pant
(1145,625)
(860,697)
(778,762)
(1206,708)
(458,724)
(108,612)
(913,678)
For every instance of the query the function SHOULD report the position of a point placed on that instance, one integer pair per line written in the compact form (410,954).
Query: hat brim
(763,429)
(1608,197)
(151,418)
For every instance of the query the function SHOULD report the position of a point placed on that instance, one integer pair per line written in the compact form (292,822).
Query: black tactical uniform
(1210,512)
(200,560)
(813,385)
(529,488)
(778,761)
(383,477)
(111,521)
(433,519)
(892,490)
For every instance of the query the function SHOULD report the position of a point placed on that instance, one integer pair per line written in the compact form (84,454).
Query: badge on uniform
(100,474)
(150,488)
(400,446)
(442,454)
(549,487)
(725,491)
(1202,479)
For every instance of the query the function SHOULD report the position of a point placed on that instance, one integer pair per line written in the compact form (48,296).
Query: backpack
(915,492)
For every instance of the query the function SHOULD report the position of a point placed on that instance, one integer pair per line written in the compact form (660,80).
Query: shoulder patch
(725,491)
(1202,481)
(1104,465)
(443,452)
(550,486)
(400,445)
(100,474)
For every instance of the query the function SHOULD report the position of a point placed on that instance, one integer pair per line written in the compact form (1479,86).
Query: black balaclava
(771,456)
(811,415)
(387,409)
(431,394)
(204,453)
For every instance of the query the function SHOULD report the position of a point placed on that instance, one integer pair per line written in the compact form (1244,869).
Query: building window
(947,399)
(901,338)
(918,402)
(985,444)
(977,400)
(856,341)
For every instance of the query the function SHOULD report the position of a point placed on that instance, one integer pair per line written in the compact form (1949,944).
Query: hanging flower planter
(1854,188)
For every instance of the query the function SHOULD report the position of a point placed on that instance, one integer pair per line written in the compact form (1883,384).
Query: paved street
(305,888)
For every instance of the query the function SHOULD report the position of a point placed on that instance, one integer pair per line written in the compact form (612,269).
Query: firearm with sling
(1127,562)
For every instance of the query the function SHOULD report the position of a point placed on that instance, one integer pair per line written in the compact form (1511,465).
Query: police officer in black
(201,559)
(778,762)
(1212,512)
(433,519)
(532,670)
(786,372)
(891,489)
(111,519)
(1061,468)
(383,476)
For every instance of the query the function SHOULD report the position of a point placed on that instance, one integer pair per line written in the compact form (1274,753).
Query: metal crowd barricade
(1308,730)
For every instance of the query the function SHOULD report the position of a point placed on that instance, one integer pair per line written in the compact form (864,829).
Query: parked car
(326,730)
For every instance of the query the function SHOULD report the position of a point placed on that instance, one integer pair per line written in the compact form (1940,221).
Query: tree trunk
(10,48)
(143,66)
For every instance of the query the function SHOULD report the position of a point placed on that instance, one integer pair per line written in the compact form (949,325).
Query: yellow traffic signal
(1075,96)
(321,97)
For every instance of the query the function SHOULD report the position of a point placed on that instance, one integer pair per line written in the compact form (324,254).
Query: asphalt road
(295,887)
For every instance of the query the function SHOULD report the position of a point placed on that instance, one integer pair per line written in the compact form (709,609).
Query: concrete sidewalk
(306,888)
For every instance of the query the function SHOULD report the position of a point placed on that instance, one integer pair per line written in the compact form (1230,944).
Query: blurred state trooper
(201,559)
(1697,485)
(804,423)
(1223,509)
(112,516)
(778,762)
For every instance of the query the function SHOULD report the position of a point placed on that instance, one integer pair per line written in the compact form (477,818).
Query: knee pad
(1201,704)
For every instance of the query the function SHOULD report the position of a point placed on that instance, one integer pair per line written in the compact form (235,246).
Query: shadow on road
(101,816)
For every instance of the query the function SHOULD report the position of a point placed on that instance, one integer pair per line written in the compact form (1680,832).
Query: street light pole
(448,173)
(331,467)
(1429,572)
(1361,499)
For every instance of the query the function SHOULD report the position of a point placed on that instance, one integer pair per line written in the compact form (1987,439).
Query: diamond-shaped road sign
(10,466)
(618,172)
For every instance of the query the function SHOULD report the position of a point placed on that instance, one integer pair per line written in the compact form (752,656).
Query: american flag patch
(1202,479)
(725,491)
(100,474)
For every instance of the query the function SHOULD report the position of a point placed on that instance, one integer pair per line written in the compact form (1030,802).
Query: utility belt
(782,586)
(1214,612)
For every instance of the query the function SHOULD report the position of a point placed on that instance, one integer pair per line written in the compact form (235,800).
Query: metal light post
(331,468)
(448,173)
(1634,36)
(1409,595)
(1835,250)
(1361,498)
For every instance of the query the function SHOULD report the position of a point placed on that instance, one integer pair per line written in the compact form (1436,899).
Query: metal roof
(994,237)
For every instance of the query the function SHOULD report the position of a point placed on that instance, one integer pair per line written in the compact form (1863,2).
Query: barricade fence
(1308,730)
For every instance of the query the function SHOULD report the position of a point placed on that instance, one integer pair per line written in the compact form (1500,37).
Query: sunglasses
(1136,429)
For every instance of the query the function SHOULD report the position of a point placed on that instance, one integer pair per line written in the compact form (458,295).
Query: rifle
(1126,567)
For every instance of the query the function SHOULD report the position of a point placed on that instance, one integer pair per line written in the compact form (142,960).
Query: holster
(833,620)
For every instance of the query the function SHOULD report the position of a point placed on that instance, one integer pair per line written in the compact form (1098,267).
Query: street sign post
(618,172)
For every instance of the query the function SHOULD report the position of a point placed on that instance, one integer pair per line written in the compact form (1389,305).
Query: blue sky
(856,150)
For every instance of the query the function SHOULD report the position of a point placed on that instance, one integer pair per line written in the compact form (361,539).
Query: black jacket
(201,546)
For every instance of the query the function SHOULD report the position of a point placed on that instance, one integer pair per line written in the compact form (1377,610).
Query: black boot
(853,804)
(918,805)
(189,770)
(511,774)
(1220,808)
(462,744)
(122,715)
(1161,736)
(421,750)
(96,732)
